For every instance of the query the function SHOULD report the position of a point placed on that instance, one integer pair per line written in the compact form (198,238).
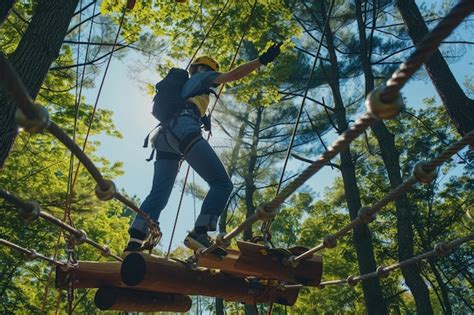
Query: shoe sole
(195,245)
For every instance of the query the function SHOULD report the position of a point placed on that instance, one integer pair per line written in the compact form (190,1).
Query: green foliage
(38,166)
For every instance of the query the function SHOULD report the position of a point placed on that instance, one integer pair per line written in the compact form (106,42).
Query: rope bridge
(383,103)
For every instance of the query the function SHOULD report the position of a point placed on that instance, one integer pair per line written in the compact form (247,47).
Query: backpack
(167,100)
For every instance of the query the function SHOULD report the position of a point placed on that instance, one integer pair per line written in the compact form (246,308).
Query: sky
(124,93)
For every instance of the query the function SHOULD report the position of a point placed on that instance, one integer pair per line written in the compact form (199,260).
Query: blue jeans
(201,157)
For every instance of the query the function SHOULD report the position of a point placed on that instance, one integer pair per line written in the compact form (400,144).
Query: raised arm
(247,68)
(238,73)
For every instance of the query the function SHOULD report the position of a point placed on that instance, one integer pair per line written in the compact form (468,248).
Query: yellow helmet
(208,61)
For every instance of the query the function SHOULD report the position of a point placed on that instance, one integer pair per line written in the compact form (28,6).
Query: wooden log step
(152,273)
(91,274)
(255,260)
(129,300)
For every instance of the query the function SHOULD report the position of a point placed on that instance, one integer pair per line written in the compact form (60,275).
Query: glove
(270,54)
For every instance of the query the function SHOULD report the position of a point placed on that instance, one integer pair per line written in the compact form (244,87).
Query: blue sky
(124,93)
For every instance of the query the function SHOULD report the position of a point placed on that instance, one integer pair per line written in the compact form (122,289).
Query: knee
(223,183)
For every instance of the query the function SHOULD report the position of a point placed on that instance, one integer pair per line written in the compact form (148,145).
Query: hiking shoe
(133,247)
(196,241)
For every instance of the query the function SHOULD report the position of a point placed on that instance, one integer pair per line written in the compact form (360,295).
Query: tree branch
(85,8)
(311,162)
(87,63)
(82,22)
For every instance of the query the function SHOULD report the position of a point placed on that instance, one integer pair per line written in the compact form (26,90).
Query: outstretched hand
(270,54)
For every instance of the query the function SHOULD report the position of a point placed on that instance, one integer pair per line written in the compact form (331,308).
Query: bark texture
(250,173)
(232,167)
(5,7)
(37,50)
(390,156)
(362,237)
(458,106)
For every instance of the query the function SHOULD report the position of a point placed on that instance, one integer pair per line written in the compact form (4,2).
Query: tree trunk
(249,175)
(444,289)
(223,219)
(373,295)
(38,48)
(390,156)
(232,166)
(5,7)
(250,309)
(458,106)
(250,189)
(219,306)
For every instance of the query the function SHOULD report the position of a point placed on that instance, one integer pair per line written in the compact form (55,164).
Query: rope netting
(31,254)
(267,224)
(423,172)
(234,58)
(31,210)
(442,249)
(382,103)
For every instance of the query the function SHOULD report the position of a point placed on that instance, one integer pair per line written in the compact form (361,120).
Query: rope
(266,211)
(266,225)
(31,254)
(70,277)
(178,210)
(440,250)
(367,214)
(31,211)
(424,124)
(89,127)
(71,181)
(426,48)
(234,58)
(213,24)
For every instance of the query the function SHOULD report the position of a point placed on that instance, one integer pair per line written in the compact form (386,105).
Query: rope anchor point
(424,175)
(108,193)
(382,109)
(36,121)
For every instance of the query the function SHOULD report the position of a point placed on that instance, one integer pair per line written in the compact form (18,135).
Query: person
(181,138)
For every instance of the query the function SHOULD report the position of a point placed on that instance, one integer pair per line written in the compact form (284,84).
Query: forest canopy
(267,128)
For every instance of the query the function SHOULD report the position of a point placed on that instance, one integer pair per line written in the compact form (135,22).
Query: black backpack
(168,101)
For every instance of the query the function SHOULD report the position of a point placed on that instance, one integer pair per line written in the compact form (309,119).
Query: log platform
(255,260)
(129,300)
(91,274)
(239,277)
(153,273)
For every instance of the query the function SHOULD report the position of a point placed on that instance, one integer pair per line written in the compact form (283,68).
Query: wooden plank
(257,261)
(152,273)
(92,274)
(156,274)
(129,300)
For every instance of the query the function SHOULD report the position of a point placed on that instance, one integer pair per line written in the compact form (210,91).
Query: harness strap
(145,143)
(189,141)
(152,155)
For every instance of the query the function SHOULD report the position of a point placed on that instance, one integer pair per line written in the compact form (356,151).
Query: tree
(390,156)
(334,73)
(38,48)
(5,8)
(459,107)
